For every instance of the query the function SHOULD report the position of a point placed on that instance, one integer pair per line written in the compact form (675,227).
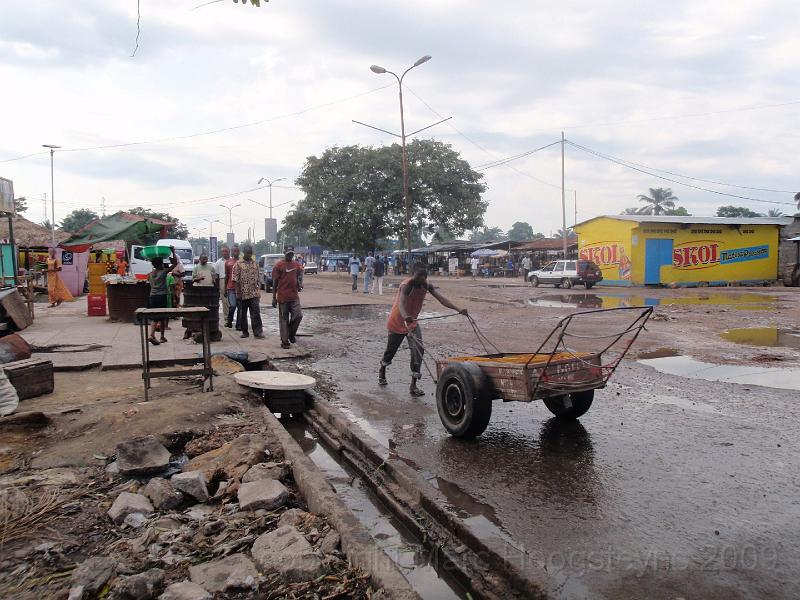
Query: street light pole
(563,200)
(230,215)
(269,184)
(380,70)
(52,148)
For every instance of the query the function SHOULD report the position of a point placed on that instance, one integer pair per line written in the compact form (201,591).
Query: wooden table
(143,318)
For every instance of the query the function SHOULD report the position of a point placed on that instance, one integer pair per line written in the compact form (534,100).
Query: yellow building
(683,251)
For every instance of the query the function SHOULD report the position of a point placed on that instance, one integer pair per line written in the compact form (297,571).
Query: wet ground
(679,482)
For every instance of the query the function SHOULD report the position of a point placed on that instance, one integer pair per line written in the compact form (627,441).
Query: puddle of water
(763,336)
(352,311)
(685,403)
(749,301)
(413,560)
(684,366)
(479,516)
(658,353)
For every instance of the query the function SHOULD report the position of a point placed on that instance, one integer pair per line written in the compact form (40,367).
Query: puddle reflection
(763,336)
(683,366)
(749,301)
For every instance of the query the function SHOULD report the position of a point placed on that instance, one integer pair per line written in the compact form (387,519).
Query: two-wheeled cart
(563,377)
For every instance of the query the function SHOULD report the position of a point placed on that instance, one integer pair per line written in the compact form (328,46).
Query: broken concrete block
(232,572)
(143,586)
(268,470)
(126,504)
(91,576)
(231,460)
(141,456)
(162,494)
(185,590)
(135,520)
(267,493)
(292,517)
(192,483)
(285,551)
(330,543)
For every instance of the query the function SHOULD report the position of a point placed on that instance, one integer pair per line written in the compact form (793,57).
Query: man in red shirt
(287,281)
(230,289)
(402,322)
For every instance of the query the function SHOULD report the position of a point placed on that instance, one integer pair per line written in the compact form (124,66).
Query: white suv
(566,273)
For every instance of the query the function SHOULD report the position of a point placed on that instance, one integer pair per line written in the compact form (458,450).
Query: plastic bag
(9,400)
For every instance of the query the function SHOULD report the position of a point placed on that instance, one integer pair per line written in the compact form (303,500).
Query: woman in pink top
(402,322)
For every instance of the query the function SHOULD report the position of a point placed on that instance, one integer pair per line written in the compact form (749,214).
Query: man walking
(230,289)
(473,266)
(526,267)
(355,269)
(369,270)
(247,279)
(380,271)
(402,323)
(286,285)
(219,269)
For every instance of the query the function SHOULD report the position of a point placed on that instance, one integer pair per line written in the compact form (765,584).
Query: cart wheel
(463,398)
(535,281)
(570,406)
(589,285)
(566,283)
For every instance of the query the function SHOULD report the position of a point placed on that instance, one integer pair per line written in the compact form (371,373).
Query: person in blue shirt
(355,269)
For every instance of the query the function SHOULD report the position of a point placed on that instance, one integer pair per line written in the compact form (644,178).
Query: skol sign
(602,254)
(696,255)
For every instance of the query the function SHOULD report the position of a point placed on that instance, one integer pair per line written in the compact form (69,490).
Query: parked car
(566,273)
(265,263)
(310,268)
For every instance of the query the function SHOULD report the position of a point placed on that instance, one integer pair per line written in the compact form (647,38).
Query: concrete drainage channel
(467,565)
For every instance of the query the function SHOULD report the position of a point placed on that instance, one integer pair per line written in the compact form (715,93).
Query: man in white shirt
(219,269)
(369,270)
(473,264)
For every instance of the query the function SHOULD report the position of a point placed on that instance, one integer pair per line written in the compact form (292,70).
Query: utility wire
(651,174)
(138,26)
(210,132)
(503,161)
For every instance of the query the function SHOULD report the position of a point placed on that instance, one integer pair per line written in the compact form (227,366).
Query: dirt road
(669,487)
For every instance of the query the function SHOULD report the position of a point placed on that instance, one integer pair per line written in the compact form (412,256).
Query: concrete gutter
(489,568)
(357,543)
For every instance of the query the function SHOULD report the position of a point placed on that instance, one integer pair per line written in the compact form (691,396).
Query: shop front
(682,251)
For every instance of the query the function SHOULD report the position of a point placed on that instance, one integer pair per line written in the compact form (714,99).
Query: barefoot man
(402,322)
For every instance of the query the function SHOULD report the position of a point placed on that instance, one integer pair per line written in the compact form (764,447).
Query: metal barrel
(208,296)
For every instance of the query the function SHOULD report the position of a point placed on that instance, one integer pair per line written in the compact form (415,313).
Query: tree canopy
(179,231)
(487,234)
(20,204)
(77,219)
(354,194)
(520,231)
(737,211)
(658,202)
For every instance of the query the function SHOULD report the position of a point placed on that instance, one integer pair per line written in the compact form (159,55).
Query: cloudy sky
(705,89)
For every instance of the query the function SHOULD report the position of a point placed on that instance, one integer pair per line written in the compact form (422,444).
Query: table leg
(145,358)
(209,374)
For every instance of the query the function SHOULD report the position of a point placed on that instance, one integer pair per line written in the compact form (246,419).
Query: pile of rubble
(224,524)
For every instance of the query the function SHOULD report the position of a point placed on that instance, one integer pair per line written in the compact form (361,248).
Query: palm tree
(560,233)
(659,200)
(774,212)
(797,199)
(636,210)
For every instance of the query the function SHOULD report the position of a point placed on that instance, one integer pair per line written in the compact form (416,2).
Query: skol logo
(696,255)
(602,253)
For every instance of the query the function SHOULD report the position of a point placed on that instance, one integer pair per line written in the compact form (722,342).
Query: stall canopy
(119,226)
(484,252)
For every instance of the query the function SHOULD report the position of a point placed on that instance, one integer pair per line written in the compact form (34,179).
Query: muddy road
(671,486)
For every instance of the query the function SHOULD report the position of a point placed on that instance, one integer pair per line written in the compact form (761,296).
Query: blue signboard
(743,254)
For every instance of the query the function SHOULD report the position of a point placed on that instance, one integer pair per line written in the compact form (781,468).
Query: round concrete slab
(275,380)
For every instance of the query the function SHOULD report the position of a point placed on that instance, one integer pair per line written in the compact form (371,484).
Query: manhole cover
(275,380)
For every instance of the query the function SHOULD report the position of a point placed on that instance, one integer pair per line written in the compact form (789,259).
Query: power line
(210,132)
(651,174)
(503,161)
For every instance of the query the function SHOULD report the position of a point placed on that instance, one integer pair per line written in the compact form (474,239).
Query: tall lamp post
(269,184)
(380,70)
(53,149)
(230,215)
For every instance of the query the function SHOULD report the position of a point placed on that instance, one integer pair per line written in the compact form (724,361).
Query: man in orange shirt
(287,282)
(402,323)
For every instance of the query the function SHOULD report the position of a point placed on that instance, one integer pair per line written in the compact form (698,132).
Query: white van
(140,266)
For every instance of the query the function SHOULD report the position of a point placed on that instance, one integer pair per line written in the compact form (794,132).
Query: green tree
(77,219)
(636,210)
(520,231)
(658,202)
(487,234)
(20,204)
(442,234)
(178,231)
(561,232)
(774,212)
(679,211)
(737,211)
(354,194)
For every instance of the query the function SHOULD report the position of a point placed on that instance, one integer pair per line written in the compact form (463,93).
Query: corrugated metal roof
(678,220)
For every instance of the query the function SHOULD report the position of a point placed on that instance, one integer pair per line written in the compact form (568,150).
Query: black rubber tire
(534,281)
(570,406)
(464,400)
(589,285)
(566,283)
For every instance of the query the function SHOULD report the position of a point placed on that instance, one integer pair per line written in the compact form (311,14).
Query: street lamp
(380,71)
(53,149)
(269,184)
(230,215)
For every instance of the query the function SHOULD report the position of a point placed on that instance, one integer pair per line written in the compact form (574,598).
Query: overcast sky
(707,89)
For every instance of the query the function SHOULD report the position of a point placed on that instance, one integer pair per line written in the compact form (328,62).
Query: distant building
(682,251)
